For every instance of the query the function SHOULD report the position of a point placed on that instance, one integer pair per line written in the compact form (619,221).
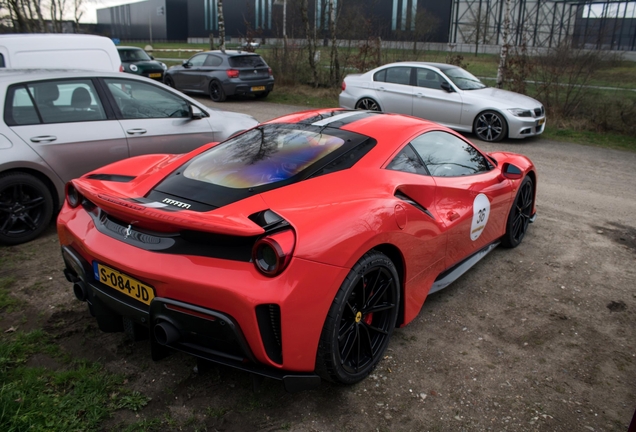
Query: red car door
(472,197)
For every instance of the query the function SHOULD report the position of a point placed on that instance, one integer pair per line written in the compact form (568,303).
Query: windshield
(131,55)
(261,156)
(463,79)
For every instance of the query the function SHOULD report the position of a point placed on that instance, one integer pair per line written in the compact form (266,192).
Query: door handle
(44,138)
(136,131)
(420,95)
(452,215)
(381,88)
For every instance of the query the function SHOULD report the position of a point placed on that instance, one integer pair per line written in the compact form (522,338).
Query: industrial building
(604,24)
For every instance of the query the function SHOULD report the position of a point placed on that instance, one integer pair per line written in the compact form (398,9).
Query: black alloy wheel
(216,92)
(490,126)
(520,215)
(26,208)
(169,81)
(360,321)
(368,104)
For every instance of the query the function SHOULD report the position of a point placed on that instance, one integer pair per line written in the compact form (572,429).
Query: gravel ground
(541,337)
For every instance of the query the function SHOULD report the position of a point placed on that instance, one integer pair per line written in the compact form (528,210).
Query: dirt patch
(541,337)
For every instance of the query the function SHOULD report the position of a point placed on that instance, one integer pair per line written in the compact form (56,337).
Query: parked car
(58,51)
(137,61)
(446,94)
(59,125)
(294,249)
(221,74)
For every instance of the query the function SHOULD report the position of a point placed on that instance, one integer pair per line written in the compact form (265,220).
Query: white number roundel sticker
(481,211)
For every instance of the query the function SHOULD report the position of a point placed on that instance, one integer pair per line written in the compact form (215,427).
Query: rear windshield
(250,61)
(262,156)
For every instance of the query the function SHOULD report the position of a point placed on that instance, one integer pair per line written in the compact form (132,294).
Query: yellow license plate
(540,122)
(155,75)
(259,88)
(123,283)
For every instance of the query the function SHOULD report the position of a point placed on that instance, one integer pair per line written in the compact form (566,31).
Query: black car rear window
(262,159)
(262,156)
(249,61)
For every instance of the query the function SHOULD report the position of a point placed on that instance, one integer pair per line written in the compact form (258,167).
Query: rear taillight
(271,254)
(121,68)
(73,197)
(232,73)
(270,71)
(343,86)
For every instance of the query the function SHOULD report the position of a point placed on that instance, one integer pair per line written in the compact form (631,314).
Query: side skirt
(452,274)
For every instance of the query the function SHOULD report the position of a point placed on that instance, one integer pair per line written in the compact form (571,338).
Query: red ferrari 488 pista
(293,249)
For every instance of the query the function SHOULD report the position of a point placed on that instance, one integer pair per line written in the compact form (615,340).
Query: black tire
(261,95)
(216,91)
(368,104)
(26,208)
(169,81)
(520,214)
(490,126)
(363,314)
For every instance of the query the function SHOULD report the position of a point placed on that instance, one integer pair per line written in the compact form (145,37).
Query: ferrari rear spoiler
(153,217)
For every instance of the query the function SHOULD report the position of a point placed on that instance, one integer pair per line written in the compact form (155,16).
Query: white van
(58,51)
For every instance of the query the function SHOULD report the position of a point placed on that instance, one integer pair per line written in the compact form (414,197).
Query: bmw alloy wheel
(368,104)
(490,126)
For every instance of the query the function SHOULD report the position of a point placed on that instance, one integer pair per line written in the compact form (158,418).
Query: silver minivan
(58,125)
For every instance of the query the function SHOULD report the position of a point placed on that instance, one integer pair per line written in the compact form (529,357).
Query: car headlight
(163,65)
(133,68)
(520,112)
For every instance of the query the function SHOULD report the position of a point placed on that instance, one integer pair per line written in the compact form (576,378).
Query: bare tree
(311,41)
(221,26)
(426,24)
(335,64)
(501,70)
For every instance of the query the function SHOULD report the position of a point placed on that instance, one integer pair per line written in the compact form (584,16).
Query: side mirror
(186,64)
(446,86)
(151,58)
(511,172)
(196,113)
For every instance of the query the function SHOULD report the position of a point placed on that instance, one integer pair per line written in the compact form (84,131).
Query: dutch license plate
(540,122)
(259,88)
(123,283)
(155,75)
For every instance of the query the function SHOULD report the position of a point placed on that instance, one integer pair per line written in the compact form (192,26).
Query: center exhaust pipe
(166,333)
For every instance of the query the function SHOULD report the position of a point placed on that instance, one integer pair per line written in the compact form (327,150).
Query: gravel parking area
(541,337)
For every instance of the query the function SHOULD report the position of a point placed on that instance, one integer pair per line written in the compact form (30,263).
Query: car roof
(130,48)
(417,63)
(389,130)
(231,53)
(21,75)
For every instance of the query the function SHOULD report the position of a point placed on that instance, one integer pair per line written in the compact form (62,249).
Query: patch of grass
(77,397)
(144,426)
(133,401)
(216,413)
(607,140)
(305,96)
(7,302)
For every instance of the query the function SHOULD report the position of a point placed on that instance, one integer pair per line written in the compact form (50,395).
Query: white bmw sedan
(445,94)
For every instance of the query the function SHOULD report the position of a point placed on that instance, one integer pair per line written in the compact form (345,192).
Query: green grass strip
(77,397)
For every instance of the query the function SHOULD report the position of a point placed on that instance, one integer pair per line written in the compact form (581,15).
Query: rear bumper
(281,318)
(242,87)
(204,333)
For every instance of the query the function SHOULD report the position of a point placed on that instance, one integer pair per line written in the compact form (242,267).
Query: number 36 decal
(481,210)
